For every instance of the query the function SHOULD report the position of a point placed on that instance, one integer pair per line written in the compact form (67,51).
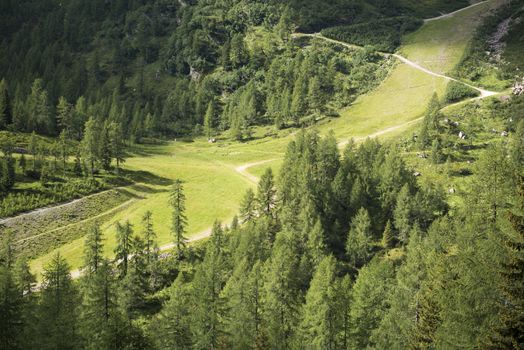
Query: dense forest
(159,66)
(353,248)
(338,251)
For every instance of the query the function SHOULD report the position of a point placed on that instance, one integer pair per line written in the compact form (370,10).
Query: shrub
(457,92)
(382,34)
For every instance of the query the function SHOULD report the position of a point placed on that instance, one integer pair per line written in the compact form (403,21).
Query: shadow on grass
(141,176)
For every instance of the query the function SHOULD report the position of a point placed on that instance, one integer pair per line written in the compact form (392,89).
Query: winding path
(451,14)
(483,93)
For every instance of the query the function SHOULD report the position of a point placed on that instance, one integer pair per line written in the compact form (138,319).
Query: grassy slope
(213,188)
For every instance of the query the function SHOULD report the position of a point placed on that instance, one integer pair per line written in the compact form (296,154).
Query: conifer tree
(322,318)
(65,116)
(117,143)
(248,207)
(91,144)
(172,326)
(359,239)
(403,214)
(209,120)
(177,200)
(510,332)
(430,123)
(6,115)
(57,315)
(243,293)
(93,249)
(63,150)
(266,196)
(388,237)
(10,310)
(101,322)
(281,293)
(369,293)
(150,245)
(124,235)
(207,325)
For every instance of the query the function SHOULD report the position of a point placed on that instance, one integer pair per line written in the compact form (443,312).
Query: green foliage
(456,92)
(381,34)
(177,201)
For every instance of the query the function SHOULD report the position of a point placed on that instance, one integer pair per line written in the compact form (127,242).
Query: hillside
(262,175)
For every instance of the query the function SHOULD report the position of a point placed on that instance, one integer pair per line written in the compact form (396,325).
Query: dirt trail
(483,93)
(242,170)
(451,14)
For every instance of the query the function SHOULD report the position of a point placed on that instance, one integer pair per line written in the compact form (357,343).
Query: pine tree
(403,214)
(207,325)
(315,97)
(281,293)
(93,249)
(6,115)
(102,325)
(32,148)
(65,116)
(359,239)
(116,138)
(436,152)
(388,237)
(106,149)
(177,200)
(150,245)
(510,332)
(57,315)
(369,293)
(63,150)
(91,145)
(430,125)
(243,294)
(209,120)
(10,310)
(248,207)
(172,326)
(322,318)
(124,234)
(266,196)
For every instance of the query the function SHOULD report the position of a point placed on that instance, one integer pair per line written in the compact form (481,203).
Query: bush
(456,92)
(382,34)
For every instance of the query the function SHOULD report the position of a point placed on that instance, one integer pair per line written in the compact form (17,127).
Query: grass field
(213,187)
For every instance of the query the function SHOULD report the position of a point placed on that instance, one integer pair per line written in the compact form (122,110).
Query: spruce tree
(177,200)
(388,237)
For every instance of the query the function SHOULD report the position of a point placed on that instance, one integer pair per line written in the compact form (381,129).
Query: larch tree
(266,195)
(93,249)
(124,235)
(358,248)
(209,120)
(322,318)
(57,317)
(177,200)
(91,144)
